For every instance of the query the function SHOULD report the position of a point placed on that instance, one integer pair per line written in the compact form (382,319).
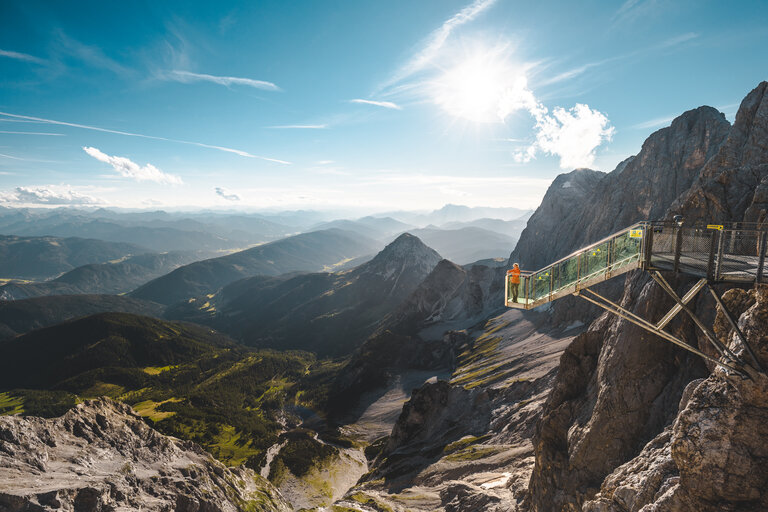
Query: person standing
(514,281)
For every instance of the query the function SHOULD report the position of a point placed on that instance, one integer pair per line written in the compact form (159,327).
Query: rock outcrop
(713,457)
(102,456)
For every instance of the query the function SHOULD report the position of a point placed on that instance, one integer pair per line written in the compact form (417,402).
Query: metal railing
(719,253)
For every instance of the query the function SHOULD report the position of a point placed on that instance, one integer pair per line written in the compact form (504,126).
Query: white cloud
(384,104)
(132,170)
(189,77)
(436,40)
(48,195)
(21,56)
(226,194)
(239,152)
(573,135)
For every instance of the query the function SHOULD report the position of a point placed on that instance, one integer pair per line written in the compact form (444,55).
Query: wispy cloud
(21,56)
(128,169)
(383,104)
(580,70)
(300,127)
(91,55)
(189,77)
(33,133)
(226,194)
(130,134)
(436,40)
(631,10)
(48,195)
(674,41)
(653,123)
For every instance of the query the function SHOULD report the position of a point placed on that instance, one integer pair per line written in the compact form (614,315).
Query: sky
(359,105)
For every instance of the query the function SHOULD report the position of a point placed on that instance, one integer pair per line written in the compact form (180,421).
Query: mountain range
(403,384)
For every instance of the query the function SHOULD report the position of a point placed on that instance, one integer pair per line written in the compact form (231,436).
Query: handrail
(735,252)
(592,246)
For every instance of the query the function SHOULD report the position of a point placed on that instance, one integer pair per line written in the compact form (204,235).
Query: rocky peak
(640,188)
(733,186)
(406,254)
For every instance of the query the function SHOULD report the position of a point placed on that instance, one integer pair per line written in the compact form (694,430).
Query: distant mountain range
(104,278)
(326,313)
(309,252)
(46,257)
(466,244)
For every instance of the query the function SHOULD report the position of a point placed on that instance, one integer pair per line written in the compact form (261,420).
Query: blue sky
(363,105)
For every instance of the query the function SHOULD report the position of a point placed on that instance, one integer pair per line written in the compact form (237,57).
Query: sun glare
(473,89)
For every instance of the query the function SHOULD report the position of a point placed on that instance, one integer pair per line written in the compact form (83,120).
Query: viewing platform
(714,253)
(717,253)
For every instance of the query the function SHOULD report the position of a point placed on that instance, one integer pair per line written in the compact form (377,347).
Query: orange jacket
(515,273)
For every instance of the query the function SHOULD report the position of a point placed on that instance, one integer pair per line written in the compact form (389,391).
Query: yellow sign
(718,227)
(635,233)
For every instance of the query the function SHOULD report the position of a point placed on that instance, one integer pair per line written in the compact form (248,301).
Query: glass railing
(602,260)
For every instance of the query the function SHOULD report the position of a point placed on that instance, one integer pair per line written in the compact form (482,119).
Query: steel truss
(729,360)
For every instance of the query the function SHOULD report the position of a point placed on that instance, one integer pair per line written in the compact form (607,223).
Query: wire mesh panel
(738,255)
(694,251)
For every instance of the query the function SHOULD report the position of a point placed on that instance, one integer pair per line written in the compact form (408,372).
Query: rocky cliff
(584,206)
(102,456)
(618,387)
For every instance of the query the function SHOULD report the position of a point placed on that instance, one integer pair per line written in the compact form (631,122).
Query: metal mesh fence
(738,255)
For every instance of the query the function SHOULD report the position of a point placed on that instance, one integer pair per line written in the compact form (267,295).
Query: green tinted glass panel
(626,249)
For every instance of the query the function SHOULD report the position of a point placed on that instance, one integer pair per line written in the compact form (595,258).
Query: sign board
(635,233)
(718,227)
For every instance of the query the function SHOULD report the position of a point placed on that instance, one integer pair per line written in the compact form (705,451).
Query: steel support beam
(627,315)
(678,307)
(735,327)
(722,349)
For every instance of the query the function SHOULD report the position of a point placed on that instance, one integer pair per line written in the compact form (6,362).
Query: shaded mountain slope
(325,313)
(21,316)
(103,278)
(45,257)
(310,252)
(106,340)
(188,380)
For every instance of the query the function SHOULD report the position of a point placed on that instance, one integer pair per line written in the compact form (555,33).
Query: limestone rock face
(101,456)
(732,186)
(451,296)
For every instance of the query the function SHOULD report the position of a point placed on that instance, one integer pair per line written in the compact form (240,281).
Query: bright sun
(473,89)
